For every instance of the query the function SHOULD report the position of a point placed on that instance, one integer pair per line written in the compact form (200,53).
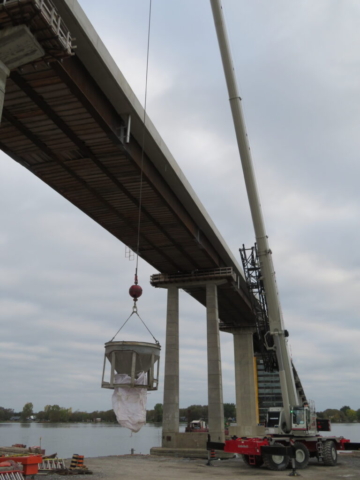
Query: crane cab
(303,420)
(300,419)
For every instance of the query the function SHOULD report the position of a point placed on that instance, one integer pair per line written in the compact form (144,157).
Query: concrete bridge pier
(247,417)
(215,391)
(170,437)
(174,442)
(171,376)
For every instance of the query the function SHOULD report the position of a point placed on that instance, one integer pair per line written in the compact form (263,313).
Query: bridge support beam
(171,378)
(245,384)
(215,392)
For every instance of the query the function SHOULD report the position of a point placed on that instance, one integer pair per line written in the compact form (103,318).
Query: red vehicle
(277,453)
(199,426)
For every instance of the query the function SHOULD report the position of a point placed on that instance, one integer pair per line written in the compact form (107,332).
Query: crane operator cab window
(300,418)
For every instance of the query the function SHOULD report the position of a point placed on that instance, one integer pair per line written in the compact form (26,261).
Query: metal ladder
(11,475)
(52,464)
(319,449)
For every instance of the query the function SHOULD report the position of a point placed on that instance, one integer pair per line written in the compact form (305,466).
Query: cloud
(15,309)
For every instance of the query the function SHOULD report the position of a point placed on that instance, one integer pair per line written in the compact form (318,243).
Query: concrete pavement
(155,468)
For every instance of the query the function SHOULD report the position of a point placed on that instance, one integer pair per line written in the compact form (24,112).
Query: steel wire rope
(141,181)
(143,142)
(131,314)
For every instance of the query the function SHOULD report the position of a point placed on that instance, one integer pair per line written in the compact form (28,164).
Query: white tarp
(129,403)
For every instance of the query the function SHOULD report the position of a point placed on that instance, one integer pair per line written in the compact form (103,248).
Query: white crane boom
(288,389)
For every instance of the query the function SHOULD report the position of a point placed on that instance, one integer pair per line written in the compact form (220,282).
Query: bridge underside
(65,119)
(59,124)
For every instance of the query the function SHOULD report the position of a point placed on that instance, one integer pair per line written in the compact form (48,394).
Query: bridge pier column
(215,392)
(171,377)
(245,383)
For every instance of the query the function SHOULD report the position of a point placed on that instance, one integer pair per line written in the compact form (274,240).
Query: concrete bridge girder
(88,161)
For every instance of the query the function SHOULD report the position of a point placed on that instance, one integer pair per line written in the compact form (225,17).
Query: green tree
(196,412)
(149,416)
(158,410)
(351,415)
(108,416)
(229,410)
(344,409)
(6,414)
(56,414)
(78,416)
(27,411)
(41,416)
(335,416)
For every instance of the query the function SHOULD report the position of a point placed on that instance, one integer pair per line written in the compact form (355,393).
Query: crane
(291,430)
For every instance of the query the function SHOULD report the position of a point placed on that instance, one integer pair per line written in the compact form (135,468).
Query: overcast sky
(64,280)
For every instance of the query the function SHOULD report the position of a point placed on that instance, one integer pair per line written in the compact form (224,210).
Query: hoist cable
(135,312)
(143,142)
(156,341)
(123,325)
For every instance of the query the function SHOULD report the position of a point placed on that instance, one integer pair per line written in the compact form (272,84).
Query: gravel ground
(146,467)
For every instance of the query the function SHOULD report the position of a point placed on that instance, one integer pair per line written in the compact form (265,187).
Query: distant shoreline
(115,423)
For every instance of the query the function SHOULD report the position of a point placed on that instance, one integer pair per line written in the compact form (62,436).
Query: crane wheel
(302,455)
(330,453)
(258,461)
(276,462)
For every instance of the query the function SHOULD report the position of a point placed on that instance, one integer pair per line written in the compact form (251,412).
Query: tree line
(188,414)
(57,414)
(344,415)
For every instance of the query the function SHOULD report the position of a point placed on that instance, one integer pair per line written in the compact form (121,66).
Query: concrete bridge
(71,119)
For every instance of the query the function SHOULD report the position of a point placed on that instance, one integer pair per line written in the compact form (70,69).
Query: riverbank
(100,440)
(146,467)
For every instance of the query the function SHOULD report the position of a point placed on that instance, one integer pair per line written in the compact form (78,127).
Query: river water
(101,439)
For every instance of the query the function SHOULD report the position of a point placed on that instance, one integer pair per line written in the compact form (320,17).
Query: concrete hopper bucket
(132,358)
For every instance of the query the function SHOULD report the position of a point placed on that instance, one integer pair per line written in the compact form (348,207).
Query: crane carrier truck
(292,432)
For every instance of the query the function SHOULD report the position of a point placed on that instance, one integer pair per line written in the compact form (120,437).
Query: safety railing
(49,13)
